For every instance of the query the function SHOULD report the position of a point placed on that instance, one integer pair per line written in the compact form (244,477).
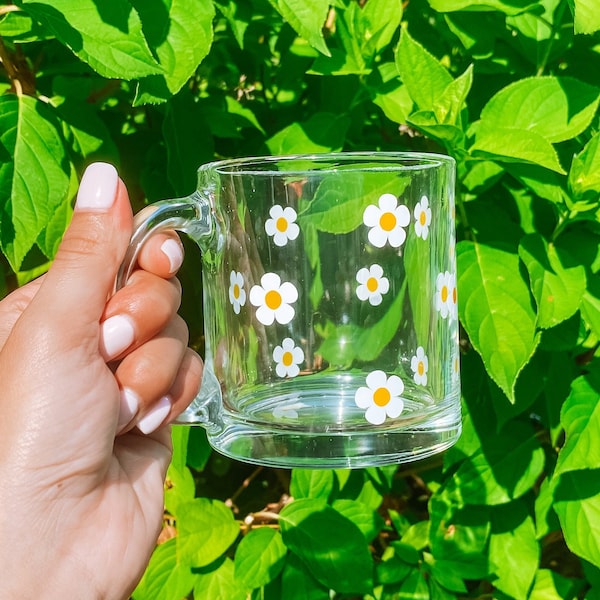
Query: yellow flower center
(444,293)
(287,359)
(421,368)
(281,224)
(423,218)
(372,284)
(381,396)
(273,299)
(387,221)
(454,295)
(236,290)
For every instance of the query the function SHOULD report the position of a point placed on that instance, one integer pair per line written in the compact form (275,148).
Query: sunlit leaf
(259,558)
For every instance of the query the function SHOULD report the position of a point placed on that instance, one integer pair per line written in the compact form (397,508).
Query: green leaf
(448,106)
(515,145)
(307,17)
(322,132)
(365,518)
(34,174)
(183,126)
(556,108)
(580,418)
(509,7)
(587,17)
(545,516)
(219,583)
(590,305)
(260,557)
(342,197)
(514,549)
(495,309)
(165,577)
(297,583)
(238,16)
(308,483)
(414,587)
(549,585)
(459,538)
(423,75)
(577,504)
(206,529)
(109,39)
(180,35)
(501,471)
(556,286)
(584,175)
(332,547)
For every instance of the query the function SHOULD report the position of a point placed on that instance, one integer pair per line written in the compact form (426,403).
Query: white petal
(375,415)
(232,278)
(242,297)
(376,379)
(257,295)
(363,397)
(270,227)
(375,299)
(276,212)
(371,215)
(402,215)
(277,354)
(293,371)
(377,237)
(362,292)
(376,271)
(270,281)
(293,231)
(394,407)
(387,202)
(414,363)
(236,307)
(425,232)
(288,344)
(395,385)
(425,202)
(289,214)
(284,314)
(396,237)
(362,275)
(280,238)
(265,315)
(288,292)
(281,370)
(384,285)
(298,356)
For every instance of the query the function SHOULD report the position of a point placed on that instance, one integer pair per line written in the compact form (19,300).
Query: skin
(81,500)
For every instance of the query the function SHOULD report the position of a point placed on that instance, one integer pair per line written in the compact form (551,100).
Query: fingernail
(153,419)
(128,408)
(98,188)
(172,251)
(116,335)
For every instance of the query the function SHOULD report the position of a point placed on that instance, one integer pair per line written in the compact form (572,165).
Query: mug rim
(404,160)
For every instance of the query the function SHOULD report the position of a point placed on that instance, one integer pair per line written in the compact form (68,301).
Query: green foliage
(511,89)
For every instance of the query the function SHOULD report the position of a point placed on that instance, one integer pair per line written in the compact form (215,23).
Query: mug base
(289,448)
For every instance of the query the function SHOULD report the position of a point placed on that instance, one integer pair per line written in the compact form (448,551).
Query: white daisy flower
(381,397)
(282,225)
(420,365)
(372,284)
(445,295)
(273,299)
(288,411)
(288,356)
(386,221)
(422,214)
(237,293)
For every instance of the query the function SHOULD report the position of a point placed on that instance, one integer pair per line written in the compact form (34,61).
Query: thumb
(82,276)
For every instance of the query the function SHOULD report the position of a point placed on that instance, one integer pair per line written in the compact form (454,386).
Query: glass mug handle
(193,216)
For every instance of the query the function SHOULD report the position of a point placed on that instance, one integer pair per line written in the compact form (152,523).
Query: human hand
(88,383)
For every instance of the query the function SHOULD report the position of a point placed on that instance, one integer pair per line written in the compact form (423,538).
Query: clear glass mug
(329,306)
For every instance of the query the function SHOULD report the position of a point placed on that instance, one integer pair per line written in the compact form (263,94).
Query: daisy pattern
(274,299)
(237,293)
(381,397)
(422,214)
(282,225)
(386,221)
(420,365)
(288,356)
(445,295)
(372,284)
(289,410)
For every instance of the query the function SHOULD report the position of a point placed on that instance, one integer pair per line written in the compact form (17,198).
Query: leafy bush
(507,87)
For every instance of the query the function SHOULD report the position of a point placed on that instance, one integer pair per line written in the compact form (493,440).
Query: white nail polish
(116,335)
(172,250)
(128,408)
(153,419)
(98,188)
